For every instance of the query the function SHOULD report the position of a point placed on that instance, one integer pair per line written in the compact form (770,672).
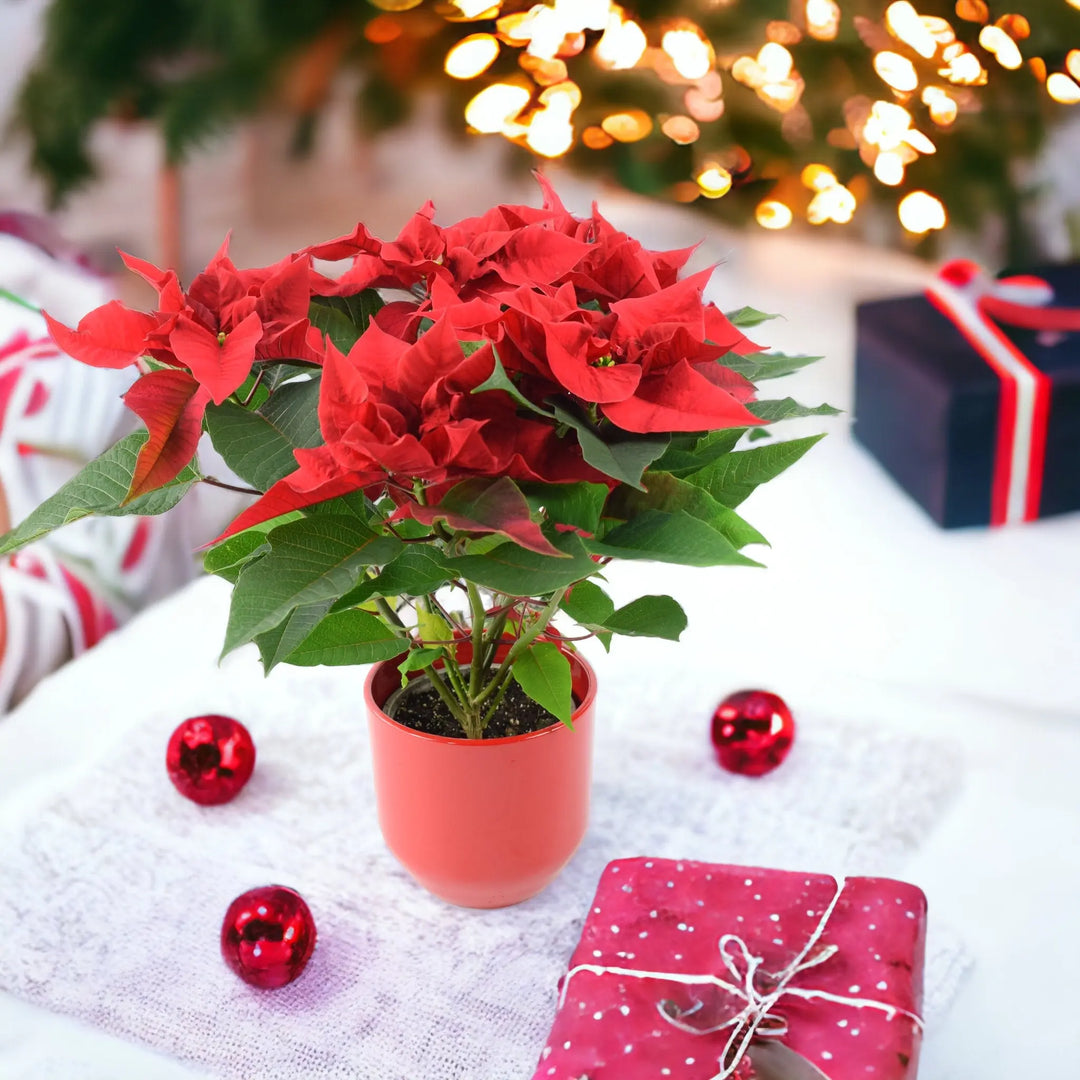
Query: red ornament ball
(268,936)
(210,758)
(752,732)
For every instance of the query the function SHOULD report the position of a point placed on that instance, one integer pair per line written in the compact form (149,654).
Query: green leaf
(588,604)
(432,626)
(543,672)
(258,445)
(688,453)
(715,444)
(160,365)
(649,616)
(348,637)
(481,545)
(335,324)
(420,569)
(731,479)
(276,644)
(759,366)
(409,529)
(513,570)
(624,461)
(578,504)
(311,560)
(673,538)
(100,488)
(499,380)
(293,412)
(278,373)
(759,434)
(417,660)
(361,307)
(355,504)
(671,495)
(229,557)
(787,409)
(747,316)
(344,318)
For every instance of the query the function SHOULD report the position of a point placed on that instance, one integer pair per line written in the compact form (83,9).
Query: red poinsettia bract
(579,315)
(205,341)
(505,326)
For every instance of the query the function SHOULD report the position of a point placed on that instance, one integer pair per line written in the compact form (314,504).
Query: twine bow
(760,990)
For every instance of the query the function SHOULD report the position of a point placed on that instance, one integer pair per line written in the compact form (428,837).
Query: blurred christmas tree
(766,110)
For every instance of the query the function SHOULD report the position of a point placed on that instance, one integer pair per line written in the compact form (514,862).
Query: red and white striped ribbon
(976,304)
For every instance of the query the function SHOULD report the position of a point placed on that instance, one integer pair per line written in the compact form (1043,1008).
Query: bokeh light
(472,56)
(920,212)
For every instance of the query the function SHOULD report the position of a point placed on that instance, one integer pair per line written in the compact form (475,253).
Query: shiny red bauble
(210,758)
(268,936)
(752,732)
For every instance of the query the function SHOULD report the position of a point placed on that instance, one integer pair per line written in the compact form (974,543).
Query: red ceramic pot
(482,823)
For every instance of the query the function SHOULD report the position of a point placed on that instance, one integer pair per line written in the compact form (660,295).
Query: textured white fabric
(111,895)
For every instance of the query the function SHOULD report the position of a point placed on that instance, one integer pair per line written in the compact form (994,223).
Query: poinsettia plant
(447,441)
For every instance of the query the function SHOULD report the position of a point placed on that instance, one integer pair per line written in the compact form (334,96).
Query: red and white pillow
(62,595)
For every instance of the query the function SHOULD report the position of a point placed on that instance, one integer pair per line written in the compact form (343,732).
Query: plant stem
(13,299)
(435,606)
(448,698)
(292,361)
(437,683)
(450,664)
(389,613)
(254,386)
(494,636)
(493,708)
(457,680)
(476,667)
(213,482)
(527,637)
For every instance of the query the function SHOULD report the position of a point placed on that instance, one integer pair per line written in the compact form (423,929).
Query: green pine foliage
(195,67)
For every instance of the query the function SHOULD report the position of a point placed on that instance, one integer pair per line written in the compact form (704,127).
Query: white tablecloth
(113,891)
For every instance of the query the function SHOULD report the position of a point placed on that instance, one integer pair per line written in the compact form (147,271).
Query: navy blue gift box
(936,404)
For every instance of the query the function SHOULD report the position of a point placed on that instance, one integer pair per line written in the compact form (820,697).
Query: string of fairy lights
(924,71)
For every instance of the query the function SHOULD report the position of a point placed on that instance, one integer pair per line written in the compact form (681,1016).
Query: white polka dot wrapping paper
(685,968)
(113,891)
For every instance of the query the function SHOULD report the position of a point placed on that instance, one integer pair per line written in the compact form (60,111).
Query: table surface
(868,611)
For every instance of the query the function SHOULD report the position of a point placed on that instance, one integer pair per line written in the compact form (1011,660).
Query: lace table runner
(112,895)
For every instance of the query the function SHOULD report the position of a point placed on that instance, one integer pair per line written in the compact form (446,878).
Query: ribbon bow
(757,1018)
(976,303)
(760,990)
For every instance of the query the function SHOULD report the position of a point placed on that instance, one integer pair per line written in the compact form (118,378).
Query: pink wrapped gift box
(694,971)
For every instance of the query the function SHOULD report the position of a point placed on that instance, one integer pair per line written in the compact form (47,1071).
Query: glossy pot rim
(376,710)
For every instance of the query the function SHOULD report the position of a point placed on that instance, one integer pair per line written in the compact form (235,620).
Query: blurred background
(931,128)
